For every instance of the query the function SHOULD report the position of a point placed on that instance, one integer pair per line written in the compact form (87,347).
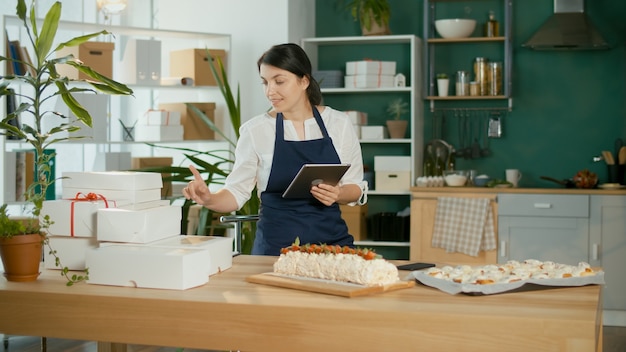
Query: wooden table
(230,314)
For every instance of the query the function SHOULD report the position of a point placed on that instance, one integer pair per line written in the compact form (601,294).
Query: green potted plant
(396,126)
(373,15)
(38,86)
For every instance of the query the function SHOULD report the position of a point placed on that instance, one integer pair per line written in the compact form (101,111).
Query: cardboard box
(220,249)
(392,181)
(71,250)
(356,219)
(369,81)
(138,226)
(134,196)
(148,162)
(373,132)
(371,67)
(115,180)
(159,117)
(194,63)
(194,127)
(141,63)
(159,133)
(75,218)
(148,267)
(97,55)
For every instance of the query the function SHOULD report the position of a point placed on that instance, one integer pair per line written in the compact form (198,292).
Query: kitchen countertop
(229,313)
(520,190)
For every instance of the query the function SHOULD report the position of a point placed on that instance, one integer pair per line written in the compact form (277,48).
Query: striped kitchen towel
(464,225)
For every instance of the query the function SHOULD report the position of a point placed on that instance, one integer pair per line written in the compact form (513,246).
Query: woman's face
(283,89)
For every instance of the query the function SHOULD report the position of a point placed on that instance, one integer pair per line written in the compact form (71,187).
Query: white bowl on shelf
(455,27)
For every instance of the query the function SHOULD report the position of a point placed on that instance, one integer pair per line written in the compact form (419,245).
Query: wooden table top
(230,313)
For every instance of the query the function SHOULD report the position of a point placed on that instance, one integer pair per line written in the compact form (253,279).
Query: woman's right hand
(196,189)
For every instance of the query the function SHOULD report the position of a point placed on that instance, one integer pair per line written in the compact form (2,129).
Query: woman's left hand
(326,194)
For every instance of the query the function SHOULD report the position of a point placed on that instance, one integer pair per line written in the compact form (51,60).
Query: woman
(273,146)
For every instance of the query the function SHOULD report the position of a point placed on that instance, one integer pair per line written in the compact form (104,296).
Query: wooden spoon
(621,157)
(608,157)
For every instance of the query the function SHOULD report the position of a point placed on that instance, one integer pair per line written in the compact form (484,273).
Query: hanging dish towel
(464,225)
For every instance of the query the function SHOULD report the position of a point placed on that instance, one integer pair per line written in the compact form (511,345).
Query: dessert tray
(449,286)
(344,289)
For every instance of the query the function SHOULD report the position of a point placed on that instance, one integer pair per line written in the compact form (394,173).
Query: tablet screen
(314,174)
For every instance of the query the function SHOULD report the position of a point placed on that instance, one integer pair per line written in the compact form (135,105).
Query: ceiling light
(111,7)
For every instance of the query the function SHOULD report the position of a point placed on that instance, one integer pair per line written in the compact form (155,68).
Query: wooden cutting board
(325,286)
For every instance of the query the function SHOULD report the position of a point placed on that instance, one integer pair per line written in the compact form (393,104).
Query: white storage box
(112,161)
(159,133)
(140,196)
(148,267)
(98,107)
(141,63)
(392,173)
(373,132)
(75,217)
(119,180)
(138,226)
(71,251)
(159,117)
(371,67)
(369,81)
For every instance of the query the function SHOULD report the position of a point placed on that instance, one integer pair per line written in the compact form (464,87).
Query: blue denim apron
(282,220)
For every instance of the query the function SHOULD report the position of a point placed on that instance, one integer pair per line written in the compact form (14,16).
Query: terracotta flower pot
(397,128)
(21,256)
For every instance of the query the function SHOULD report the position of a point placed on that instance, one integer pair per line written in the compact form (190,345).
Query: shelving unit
(331,54)
(79,155)
(432,43)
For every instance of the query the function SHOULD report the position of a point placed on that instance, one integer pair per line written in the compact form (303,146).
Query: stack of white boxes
(370,74)
(116,224)
(392,173)
(358,119)
(159,126)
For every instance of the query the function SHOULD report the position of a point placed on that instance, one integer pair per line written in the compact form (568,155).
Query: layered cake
(336,263)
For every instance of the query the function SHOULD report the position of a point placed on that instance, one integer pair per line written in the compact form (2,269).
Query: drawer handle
(542,205)
(594,251)
(503,248)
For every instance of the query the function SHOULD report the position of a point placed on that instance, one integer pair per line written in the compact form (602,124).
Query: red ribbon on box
(81,197)
(379,74)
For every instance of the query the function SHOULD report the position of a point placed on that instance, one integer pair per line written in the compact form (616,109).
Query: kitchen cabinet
(80,155)
(332,53)
(608,228)
(544,227)
(423,210)
(443,55)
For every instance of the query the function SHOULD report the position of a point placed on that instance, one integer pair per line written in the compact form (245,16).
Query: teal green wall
(567,106)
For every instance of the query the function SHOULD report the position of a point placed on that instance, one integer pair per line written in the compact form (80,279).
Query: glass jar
(495,78)
(481,72)
(474,88)
(462,83)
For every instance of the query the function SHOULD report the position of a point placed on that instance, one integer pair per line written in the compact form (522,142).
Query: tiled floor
(614,341)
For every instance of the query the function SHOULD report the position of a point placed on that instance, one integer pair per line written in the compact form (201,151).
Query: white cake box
(373,132)
(220,248)
(159,133)
(371,67)
(369,81)
(148,267)
(140,196)
(114,180)
(75,217)
(159,117)
(70,250)
(138,226)
(392,163)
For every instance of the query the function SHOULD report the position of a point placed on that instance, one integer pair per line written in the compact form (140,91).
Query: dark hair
(291,57)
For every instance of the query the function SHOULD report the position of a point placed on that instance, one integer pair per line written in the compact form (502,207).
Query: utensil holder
(616,173)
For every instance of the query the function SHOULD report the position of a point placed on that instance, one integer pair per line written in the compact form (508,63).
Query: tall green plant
(215,172)
(44,84)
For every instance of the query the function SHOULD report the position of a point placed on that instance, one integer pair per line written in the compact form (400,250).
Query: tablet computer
(314,174)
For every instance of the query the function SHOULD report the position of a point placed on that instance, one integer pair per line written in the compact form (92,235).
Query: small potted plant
(396,126)
(41,83)
(373,15)
(20,246)
(443,84)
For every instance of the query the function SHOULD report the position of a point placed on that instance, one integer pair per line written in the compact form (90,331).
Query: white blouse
(255,150)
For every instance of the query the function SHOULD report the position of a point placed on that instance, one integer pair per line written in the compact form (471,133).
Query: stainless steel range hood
(569,28)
